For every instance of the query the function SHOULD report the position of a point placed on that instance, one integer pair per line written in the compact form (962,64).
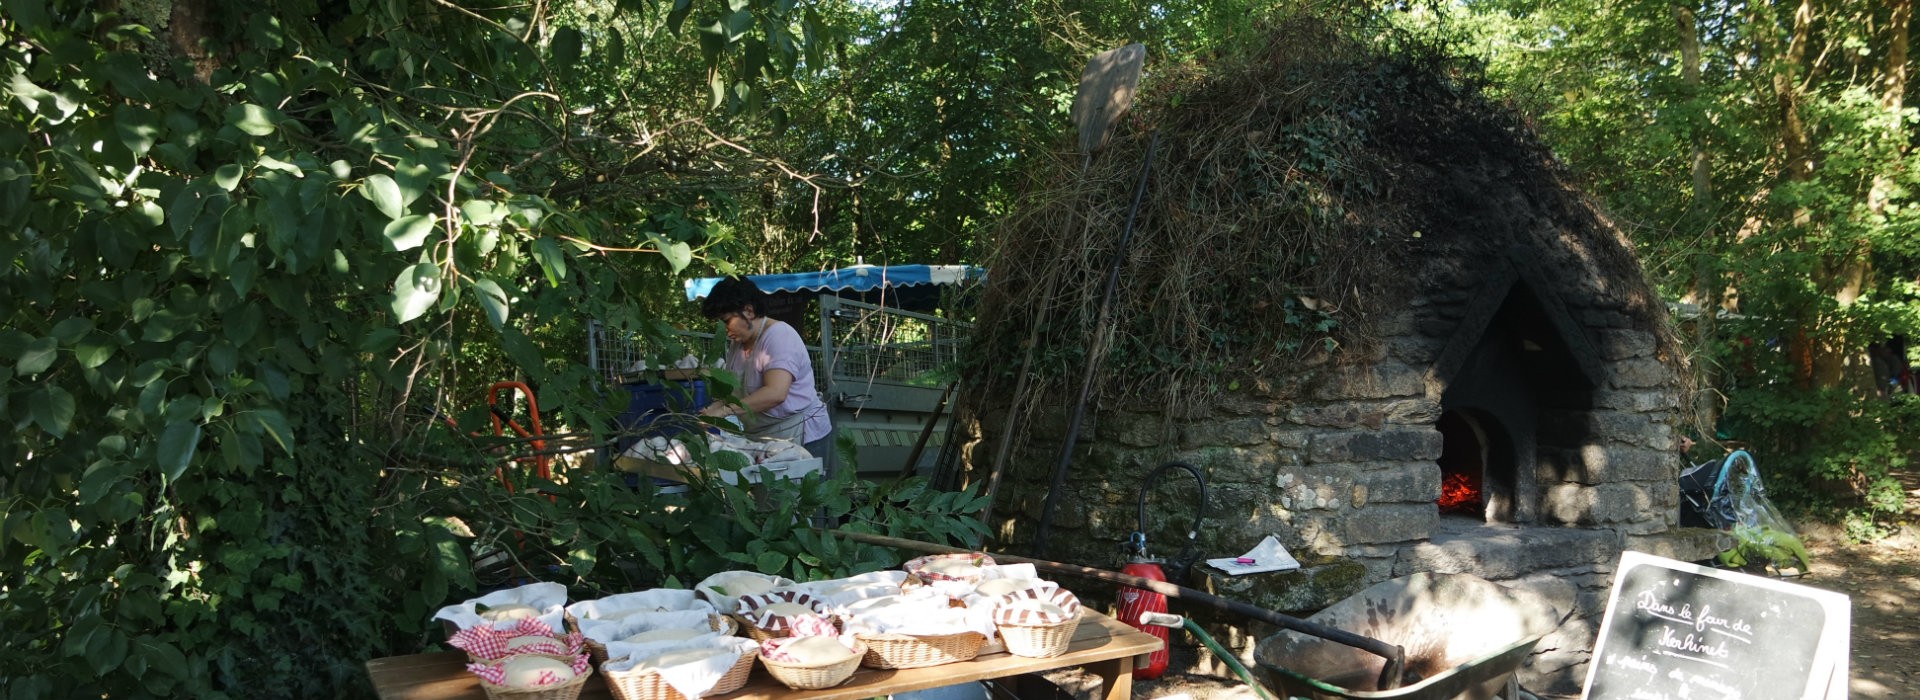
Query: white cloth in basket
(613,630)
(648,601)
(921,612)
(691,679)
(719,589)
(549,598)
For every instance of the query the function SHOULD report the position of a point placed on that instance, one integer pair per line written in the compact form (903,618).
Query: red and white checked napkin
(495,672)
(491,643)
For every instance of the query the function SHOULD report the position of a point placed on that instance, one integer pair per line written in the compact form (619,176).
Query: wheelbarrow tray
(1464,637)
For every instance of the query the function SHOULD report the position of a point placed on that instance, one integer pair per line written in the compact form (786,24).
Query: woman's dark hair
(731,296)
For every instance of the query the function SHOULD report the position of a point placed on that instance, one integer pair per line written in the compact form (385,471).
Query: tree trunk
(1708,282)
(1796,149)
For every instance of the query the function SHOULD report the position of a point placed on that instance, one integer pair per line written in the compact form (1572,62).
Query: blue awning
(859,278)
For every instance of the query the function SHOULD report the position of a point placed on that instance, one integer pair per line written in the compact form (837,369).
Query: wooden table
(1101,645)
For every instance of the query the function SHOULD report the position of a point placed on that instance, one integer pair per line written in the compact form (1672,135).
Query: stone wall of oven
(1338,460)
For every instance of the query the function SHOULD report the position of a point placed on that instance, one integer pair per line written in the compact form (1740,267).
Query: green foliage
(237,280)
(1777,184)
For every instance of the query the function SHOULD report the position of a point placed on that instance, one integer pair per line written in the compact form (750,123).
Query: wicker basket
(762,634)
(648,685)
(721,623)
(915,650)
(569,690)
(816,676)
(1040,641)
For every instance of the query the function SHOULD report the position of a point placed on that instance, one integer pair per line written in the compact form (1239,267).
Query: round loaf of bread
(508,612)
(524,671)
(677,658)
(817,650)
(951,567)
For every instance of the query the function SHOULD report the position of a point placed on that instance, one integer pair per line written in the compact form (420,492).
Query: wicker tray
(720,623)
(1039,641)
(569,690)
(817,676)
(648,685)
(915,651)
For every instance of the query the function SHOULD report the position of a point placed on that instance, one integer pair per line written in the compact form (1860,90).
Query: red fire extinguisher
(1136,603)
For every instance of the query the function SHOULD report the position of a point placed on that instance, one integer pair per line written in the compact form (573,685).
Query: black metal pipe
(1199,511)
(1059,481)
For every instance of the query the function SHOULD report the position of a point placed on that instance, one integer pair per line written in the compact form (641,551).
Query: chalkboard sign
(1677,631)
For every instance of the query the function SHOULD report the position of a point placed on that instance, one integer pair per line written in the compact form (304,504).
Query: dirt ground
(1882,578)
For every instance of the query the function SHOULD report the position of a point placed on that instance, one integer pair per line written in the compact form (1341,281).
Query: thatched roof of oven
(1299,188)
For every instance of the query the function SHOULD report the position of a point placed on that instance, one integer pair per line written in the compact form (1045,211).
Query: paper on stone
(1267,556)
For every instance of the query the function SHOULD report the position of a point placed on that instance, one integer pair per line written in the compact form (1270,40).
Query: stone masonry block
(1644,401)
(1133,429)
(1401,482)
(1381,523)
(1623,344)
(1239,432)
(1640,373)
(1380,381)
(1598,464)
(1390,445)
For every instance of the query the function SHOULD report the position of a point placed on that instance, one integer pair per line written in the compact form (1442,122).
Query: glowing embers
(1460,494)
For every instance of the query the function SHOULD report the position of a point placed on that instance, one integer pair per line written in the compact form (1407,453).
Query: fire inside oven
(1463,465)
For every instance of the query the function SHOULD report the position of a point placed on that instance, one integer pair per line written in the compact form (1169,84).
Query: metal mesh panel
(873,342)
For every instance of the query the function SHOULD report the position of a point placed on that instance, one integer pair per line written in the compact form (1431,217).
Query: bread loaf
(678,657)
(813,651)
(508,612)
(524,671)
(527,640)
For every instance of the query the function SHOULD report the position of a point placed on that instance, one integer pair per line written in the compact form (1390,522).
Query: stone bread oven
(1505,406)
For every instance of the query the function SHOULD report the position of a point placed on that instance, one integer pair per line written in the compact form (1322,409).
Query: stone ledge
(1318,583)
(1500,552)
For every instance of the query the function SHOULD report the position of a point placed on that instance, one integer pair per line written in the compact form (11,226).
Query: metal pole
(1099,334)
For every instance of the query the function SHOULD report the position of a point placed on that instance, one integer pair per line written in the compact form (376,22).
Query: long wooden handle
(1395,655)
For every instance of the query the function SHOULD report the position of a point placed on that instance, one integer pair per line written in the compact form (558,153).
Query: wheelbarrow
(1464,637)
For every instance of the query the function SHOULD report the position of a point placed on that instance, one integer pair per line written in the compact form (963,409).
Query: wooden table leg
(1116,677)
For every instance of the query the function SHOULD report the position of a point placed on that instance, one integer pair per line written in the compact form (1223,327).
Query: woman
(776,375)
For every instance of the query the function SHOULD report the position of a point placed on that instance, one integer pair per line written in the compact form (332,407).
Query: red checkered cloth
(495,672)
(1008,611)
(490,644)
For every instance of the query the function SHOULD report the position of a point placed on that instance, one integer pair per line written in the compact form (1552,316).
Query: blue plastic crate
(660,410)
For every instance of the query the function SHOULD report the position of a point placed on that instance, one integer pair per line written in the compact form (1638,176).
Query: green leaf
(385,195)
(493,299)
(738,24)
(771,562)
(482,212)
(679,255)
(547,252)
(415,291)
(137,128)
(409,232)
(582,561)
(71,329)
(738,5)
(251,118)
(178,442)
(39,355)
(53,410)
(274,424)
(94,350)
(565,47)
(228,176)
(678,15)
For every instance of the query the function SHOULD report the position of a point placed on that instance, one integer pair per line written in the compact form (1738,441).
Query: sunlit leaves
(385,195)
(493,299)
(408,232)
(253,119)
(416,290)
(552,261)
